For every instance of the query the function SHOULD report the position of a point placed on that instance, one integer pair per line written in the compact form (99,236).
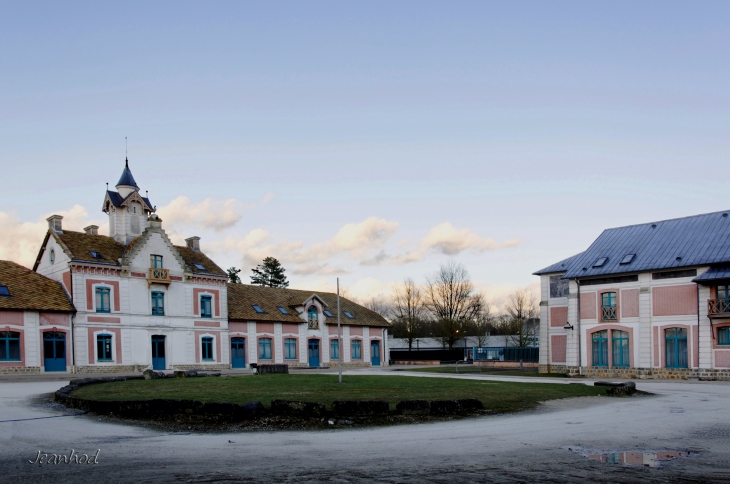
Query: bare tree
(379,306)
(408,310)
(519,323)
(481,326)
(451,299)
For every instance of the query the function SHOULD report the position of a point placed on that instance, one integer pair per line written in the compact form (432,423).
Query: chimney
(92,230)
(154,220)
(54,223)
(193,243)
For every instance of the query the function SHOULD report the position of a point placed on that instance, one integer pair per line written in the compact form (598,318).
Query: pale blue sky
(543,122)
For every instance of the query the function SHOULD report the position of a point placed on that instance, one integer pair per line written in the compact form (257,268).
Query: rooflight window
(4,291)
(349,314)
(628,258)
(600,262)
(95,254)
(328,313)
(282,310)
(257,308)
(200,267)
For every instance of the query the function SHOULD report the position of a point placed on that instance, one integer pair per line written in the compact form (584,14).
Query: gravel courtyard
(526,447)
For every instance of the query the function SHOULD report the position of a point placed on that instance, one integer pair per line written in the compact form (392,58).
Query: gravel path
(527,447)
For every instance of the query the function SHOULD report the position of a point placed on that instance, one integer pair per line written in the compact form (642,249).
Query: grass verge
(497,397)
(489,371)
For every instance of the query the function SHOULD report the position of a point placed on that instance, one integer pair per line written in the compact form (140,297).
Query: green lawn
(496,396)
(468,369)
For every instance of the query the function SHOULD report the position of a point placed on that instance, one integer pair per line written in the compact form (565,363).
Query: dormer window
(628,258)
(313,317)
(600,262)
(95,254)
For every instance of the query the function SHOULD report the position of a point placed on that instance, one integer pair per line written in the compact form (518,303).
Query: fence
(427,355)
(529,354)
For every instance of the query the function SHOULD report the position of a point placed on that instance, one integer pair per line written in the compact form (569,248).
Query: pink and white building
(133,300)
(643,301)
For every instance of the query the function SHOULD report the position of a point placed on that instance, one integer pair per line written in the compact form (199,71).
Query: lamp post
(339,348)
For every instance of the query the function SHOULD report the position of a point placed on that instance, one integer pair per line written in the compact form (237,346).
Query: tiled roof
(714,274)
(80,245)
(30,290)
(192,257)
(561,266)
(668,244)
(242,297)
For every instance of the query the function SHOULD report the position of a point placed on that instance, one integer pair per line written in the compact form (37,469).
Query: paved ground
(527,447)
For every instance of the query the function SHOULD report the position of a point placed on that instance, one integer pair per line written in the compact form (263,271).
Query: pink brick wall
(588,305)
(722,359)
(558,317)
(675,300)
(11,317)
(557,348)
(630,303)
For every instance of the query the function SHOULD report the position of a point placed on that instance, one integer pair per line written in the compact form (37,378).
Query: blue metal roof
(561,266)
(127,178)
(668,244)
(714,274)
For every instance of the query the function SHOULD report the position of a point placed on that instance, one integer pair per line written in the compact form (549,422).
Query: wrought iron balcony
(718,308)
(313,324)
(159,276)
(608,313)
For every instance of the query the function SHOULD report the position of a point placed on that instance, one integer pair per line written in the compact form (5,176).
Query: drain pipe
(698,328)
(580,352)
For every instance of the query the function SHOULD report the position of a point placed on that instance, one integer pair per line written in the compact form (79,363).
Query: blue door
(238,353)
(375,353)
(314,352)
(54,351)
(158,352)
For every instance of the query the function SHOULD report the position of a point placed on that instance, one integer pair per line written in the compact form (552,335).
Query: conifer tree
(270,273)
(233,275)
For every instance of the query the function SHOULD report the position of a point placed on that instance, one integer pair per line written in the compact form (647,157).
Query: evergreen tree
(233,275)
(270,273)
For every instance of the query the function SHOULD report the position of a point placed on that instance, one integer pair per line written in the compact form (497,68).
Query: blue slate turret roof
(127,178)
(117,199)
(668,244)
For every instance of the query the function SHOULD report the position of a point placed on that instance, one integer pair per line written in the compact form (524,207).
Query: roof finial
(107,186)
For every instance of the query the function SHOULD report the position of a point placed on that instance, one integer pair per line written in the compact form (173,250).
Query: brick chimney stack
(193,243)
(54,223)
(92,230)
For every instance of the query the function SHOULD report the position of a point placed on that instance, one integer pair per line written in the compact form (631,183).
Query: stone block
(152,375)
(413,407)
(361,408)
(445,407)
(297,408)
(271,369)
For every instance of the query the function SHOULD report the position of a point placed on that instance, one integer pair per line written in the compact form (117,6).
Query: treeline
(448,307)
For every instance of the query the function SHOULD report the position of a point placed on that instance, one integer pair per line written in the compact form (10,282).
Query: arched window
(675,340)
(52,256)
(313,317)
(620,348)
(600,348)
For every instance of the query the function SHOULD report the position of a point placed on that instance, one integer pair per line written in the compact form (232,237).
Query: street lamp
(568,326)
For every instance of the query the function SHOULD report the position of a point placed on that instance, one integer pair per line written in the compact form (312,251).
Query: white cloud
(209,214)
(21,241)
(445,239)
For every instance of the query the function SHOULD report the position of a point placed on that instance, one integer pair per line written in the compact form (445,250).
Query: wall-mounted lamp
(568,326)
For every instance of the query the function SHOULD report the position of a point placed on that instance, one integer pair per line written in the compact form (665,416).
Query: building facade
(644,301)
(299,328)
(36,321)
(133,300)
